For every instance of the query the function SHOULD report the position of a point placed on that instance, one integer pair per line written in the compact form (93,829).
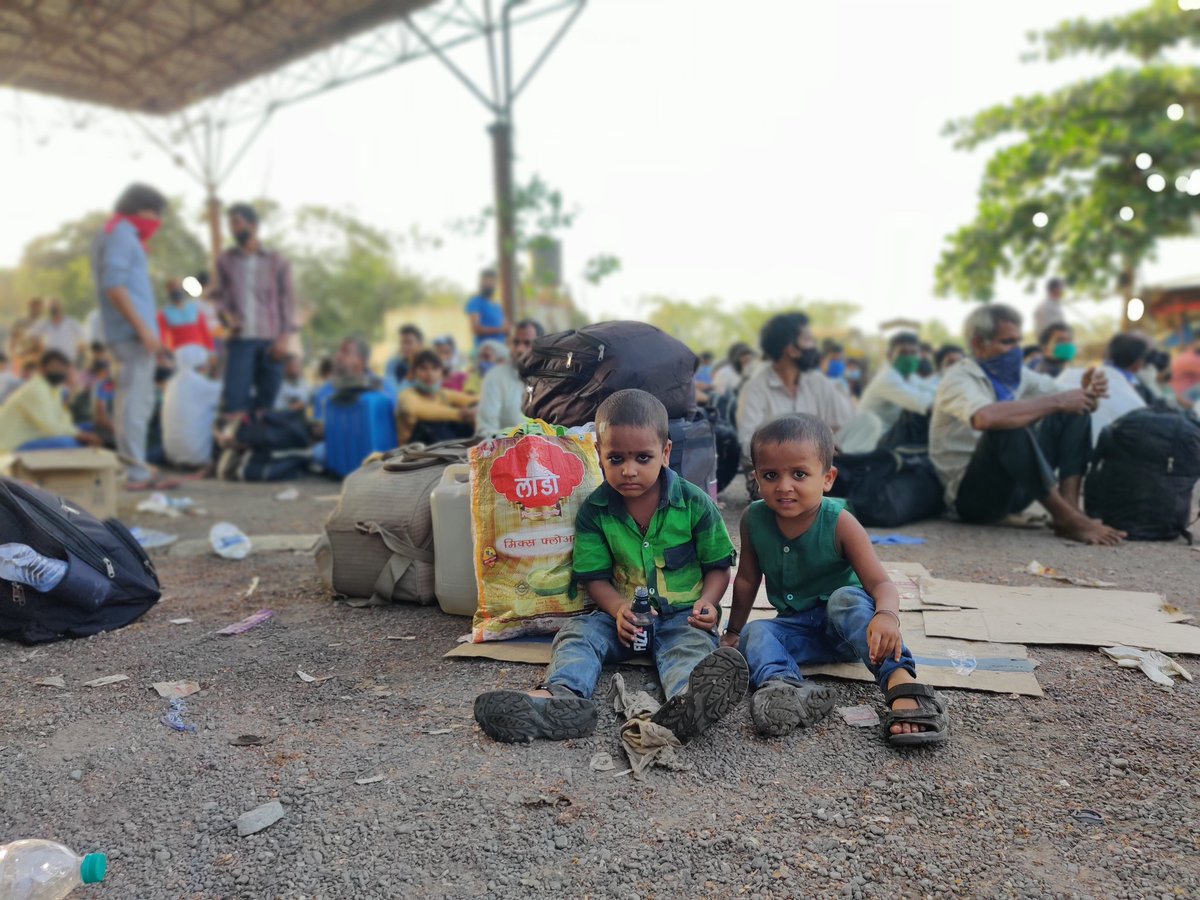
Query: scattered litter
(229,541)
(370,779)
(1036,568)
(602,762)
(180,621)
(107,679)
(77,775)
(896,540)
(312,679)
(1088,817)
(161,505)
(859,716)
(174,717)
(247,623)
(53,681)
(646,743)
(174,690)
(964,663)
(253,587)
(289,494)
(440,731)
(1158,667)
(256,820)
(248,740)
(150,539)
(401,637)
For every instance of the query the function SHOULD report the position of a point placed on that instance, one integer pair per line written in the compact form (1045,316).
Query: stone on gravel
(257,819)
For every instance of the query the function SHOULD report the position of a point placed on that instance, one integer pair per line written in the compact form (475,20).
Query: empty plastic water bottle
(44,870)
(24,565)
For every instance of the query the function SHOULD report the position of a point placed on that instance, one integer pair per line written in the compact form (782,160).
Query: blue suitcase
(356,429)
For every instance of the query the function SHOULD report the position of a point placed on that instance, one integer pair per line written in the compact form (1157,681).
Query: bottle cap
(93,868)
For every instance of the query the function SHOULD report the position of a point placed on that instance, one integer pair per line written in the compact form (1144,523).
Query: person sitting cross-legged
(428,412)
(1002,436)
(35,416)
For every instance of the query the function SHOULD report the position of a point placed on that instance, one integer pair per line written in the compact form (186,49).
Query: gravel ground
(831,811)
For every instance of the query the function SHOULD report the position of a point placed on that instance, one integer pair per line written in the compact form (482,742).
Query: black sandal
(930,712)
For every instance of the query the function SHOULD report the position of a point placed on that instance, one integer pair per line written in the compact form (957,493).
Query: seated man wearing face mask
(790,382)
(35,416)
(1057,343)
(1002,436)
(898,394)
(428,412)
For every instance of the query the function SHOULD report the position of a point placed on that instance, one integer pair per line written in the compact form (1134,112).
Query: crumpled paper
(1036,568)
(1158,667)
(646,744)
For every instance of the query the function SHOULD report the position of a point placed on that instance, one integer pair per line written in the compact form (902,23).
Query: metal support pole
(506,231)
(214,233)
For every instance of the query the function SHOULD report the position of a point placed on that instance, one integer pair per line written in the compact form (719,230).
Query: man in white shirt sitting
(896,390)
(1003,436)
(60,332)
(502,395)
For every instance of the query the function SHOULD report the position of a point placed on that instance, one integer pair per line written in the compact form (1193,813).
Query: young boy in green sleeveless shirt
(835,601)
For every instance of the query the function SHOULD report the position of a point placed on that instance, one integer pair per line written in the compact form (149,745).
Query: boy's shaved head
(794,429)
(636,409)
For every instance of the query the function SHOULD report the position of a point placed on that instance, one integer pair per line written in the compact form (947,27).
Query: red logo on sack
(537,473)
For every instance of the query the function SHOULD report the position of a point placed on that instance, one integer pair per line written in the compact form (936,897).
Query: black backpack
(110,580)
(887,488)
(1144,468)
(569,374)
(694,451)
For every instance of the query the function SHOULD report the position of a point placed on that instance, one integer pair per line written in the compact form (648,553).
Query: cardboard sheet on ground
(999,668)
(262,543)
(1090,617)
(907,576)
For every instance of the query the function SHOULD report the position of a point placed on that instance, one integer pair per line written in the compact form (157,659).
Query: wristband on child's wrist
(729,629)
(888,612)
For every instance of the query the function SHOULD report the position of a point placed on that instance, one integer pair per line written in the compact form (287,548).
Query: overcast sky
(751,151)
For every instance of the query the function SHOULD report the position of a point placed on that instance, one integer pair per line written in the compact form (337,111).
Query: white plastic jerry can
(453,548)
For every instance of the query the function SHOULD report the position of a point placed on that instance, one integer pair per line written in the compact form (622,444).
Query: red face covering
(145,227)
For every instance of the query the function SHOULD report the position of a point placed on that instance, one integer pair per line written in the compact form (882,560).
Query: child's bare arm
(883,634)
(745,586)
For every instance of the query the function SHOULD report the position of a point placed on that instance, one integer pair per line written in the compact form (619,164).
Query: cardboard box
(86,476)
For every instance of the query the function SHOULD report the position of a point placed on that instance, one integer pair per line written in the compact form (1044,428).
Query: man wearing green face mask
(896,393)
(1057,341)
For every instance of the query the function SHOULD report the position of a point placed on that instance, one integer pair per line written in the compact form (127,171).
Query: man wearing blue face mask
(1003,436)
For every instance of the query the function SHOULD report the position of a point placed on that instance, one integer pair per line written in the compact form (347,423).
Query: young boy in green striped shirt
(644,527)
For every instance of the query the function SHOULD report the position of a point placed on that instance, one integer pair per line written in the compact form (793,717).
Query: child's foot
(556,713)
(716,685)
(779,706)
(916,712)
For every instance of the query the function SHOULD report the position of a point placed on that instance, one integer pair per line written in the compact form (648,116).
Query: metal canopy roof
(159,56)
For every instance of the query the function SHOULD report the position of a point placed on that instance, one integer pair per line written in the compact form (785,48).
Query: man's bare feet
(902,676)
(1089,531)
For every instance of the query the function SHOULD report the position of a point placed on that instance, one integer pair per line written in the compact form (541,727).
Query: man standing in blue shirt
(487,316)
(129,319)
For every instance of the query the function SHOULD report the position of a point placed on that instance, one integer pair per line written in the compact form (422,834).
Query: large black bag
(694,451)
(886,488)
(1144,469)
(569,374)
(110,580)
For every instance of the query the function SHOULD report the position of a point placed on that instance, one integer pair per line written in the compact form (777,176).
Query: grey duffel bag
(378,544)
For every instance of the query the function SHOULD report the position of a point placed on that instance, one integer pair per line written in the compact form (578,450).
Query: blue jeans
(587,642)
(836,632)
(65,442)
(249,365)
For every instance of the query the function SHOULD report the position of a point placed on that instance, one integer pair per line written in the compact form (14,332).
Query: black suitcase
(110,580)
(569,374)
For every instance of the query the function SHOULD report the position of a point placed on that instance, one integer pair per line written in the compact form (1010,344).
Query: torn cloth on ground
(1158,668)
(646,744)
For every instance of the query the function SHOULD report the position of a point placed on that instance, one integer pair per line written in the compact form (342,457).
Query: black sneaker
(716,685)
(513,717)
(779,707)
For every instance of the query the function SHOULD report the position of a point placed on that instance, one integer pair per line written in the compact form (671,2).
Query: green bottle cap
(93,868)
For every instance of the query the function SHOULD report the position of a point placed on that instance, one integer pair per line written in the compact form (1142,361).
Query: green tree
(348,273)
(1090,177)
(59,264)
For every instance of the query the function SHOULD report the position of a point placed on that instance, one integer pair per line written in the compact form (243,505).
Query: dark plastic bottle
(643,615)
